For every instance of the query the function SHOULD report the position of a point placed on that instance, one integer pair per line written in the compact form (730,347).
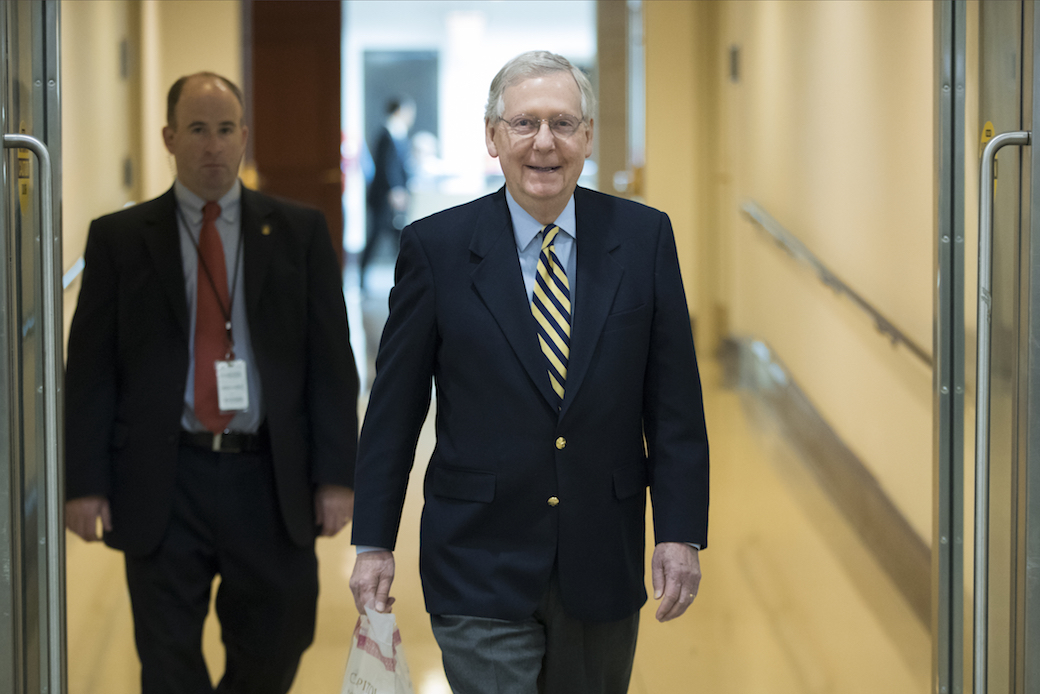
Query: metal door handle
(982,400)
(52,468)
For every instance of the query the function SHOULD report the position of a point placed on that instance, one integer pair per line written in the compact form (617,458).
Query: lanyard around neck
(226,312)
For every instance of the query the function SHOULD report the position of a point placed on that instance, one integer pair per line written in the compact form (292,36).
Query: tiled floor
(791,602)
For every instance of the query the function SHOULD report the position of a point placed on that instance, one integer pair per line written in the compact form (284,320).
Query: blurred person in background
(387,195)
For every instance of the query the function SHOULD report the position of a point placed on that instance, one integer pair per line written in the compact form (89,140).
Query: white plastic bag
(376,664)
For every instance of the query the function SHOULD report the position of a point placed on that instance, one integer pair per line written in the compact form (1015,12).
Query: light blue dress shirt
(527,231)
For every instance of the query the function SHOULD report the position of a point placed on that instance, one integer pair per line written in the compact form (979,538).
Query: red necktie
(211,335)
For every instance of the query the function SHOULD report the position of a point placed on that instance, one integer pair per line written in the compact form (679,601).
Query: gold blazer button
(553,501)
(561,443)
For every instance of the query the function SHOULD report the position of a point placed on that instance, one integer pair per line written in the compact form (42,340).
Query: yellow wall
(830,129)
(671,128)
(107,118)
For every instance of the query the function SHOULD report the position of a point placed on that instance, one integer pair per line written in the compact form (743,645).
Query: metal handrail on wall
(72,273)
(790,243)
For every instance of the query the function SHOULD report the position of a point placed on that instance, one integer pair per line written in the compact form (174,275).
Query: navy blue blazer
(128,360)
(515,486)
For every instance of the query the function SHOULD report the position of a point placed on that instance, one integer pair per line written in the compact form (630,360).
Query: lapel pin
(266,230)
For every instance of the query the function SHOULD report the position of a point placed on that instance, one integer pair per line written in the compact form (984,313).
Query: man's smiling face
(541,170)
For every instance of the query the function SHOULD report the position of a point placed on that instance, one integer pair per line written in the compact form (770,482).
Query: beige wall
(830,129)
(180,37)
(108,118)
(96,110)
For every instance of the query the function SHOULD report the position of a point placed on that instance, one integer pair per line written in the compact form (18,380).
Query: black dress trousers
(225,523)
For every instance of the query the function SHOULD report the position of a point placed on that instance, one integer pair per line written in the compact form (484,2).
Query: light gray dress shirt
(229,226)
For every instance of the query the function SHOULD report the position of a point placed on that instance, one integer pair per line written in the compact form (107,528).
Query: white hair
(536,64)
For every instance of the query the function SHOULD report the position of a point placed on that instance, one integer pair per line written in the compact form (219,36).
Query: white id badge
(232,385)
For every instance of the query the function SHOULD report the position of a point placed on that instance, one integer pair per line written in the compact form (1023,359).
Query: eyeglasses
(562,126)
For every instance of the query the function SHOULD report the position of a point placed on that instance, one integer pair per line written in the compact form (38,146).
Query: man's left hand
(333,508)
(676,571)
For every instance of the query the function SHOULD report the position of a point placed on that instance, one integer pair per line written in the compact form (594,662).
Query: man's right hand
(81,516)
(370,582)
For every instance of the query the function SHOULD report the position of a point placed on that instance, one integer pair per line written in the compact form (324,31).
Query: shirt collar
(526,227)
(191,204)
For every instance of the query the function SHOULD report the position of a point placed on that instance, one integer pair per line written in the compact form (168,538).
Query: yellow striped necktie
(551,305)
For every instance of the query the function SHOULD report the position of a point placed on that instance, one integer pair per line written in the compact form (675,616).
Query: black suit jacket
(460,317)
(128,357)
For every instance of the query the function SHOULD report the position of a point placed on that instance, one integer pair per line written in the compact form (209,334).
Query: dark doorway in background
(396,73)
(294,77)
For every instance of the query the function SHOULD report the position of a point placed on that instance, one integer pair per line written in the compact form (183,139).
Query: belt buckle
(217,438)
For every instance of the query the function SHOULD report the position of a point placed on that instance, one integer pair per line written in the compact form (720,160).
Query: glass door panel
(31,537)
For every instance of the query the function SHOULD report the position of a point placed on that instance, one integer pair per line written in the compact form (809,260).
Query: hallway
(791,601)
(855,127)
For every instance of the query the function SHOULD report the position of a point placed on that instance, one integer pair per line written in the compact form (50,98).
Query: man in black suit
(553,321)
(387,195)
(211,407)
